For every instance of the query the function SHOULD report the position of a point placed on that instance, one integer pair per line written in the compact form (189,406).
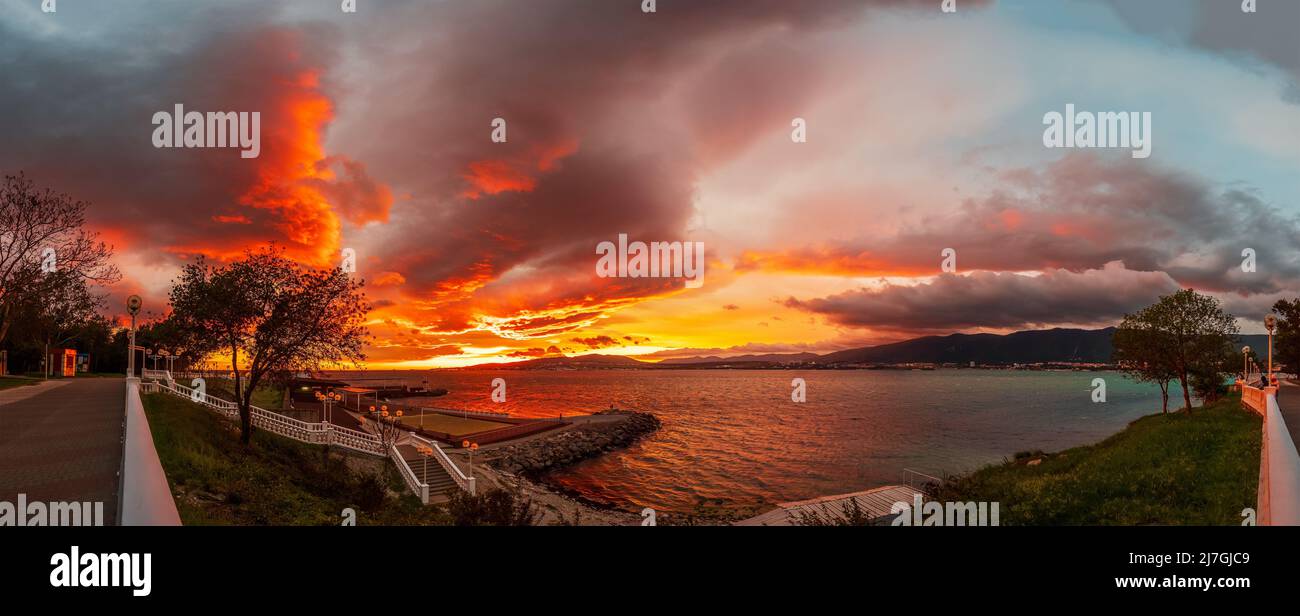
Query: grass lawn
(7,382)
(1198,469)
(266,396)
(454,426)
(274,481)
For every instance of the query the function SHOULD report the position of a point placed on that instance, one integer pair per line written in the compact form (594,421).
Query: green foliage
(492,508)
(1200,469)
(276,481)
(1184,336)
(1286,342)
(851,514)
(271,316)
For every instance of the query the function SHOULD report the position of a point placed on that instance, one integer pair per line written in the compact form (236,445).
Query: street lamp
(327,400)
(1245,366)
(472,447)
(132,306)
(1270,322)
(427,452)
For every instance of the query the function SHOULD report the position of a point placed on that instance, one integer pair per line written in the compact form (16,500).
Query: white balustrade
(316,433)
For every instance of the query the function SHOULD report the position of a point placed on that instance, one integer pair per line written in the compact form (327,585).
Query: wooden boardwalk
(876,503)
(63,442)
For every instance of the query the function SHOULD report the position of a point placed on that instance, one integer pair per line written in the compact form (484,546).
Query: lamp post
(472,447)
(426,452)
(132,306)
(1270,322)
(1245,365)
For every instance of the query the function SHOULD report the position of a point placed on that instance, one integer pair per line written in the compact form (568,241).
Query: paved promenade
(62,441)
(1288,401)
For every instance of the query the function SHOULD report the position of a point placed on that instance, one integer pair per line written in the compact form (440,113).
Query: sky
(923,132)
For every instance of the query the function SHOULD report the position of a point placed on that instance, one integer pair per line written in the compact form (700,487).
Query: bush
(492,508)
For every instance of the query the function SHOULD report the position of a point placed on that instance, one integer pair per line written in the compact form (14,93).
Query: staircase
(439,480)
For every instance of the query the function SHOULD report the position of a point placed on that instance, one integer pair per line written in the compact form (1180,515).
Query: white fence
(1279,463)
(467,413)
(317,433)
(144,499)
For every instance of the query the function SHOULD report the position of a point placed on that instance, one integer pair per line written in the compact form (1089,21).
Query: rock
(576,444)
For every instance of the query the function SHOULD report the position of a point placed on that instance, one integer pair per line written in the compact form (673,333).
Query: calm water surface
(734,438)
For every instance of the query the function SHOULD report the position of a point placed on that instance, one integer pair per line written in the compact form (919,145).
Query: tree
(62,314)
(1286,342)
(271,316)
(36,225)
(1186,333)
(1139,349)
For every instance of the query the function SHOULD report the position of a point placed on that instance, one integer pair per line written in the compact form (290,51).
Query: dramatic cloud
(1267,35)
(606,134)
(1080,213)
(996,300)
(377,137)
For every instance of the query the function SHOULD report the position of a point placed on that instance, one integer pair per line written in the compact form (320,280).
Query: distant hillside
(589,362)
(1027,347)
(1050,345)
(768,357)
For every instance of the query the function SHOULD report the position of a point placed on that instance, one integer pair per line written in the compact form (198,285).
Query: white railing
(468,484)
(144,498)
(316,433)
(468,413)
(356,439)
(1279,462)
(322,433)
(420,488)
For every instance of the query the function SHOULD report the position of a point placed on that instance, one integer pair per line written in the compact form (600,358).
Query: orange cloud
(495,176)
(826,260)
(388,279)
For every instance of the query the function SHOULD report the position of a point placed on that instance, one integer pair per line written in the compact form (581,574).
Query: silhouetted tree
(1186,333)
(36,224)
(1286,342)
(271,316)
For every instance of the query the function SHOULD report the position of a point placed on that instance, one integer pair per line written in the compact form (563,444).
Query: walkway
(62,441)
(428,471)
(1288,401)
(876,503)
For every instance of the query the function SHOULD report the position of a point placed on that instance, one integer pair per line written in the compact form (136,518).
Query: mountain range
(1058,345)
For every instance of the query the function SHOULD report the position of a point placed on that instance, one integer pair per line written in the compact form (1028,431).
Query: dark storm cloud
(996,300)
(76,114)
(1082,212)
(1220,26)
(595,148)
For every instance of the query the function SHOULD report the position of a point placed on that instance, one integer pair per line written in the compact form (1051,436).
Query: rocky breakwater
(604,432)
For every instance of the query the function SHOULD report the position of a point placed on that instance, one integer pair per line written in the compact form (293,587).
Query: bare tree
(41,233)
(272,317)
